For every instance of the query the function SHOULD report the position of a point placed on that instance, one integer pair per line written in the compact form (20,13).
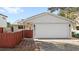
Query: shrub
(77,35)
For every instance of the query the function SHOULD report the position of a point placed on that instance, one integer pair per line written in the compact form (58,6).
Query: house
(3,21)
(77,23)
(16,27)
(48,25)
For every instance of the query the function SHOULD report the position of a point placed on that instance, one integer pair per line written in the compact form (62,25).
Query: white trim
(42,14)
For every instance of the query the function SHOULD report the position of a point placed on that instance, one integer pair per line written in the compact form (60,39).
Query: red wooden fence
(1,30)
(10,40)
(27,33)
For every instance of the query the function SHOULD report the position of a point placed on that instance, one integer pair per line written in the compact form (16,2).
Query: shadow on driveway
(56,46)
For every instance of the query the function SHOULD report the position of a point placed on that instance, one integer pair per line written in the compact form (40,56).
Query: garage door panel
(51,31)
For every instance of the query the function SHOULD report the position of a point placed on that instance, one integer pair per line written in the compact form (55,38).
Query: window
(20,27)
(77,27)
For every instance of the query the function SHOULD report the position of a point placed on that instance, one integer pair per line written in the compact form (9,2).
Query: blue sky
(18,13)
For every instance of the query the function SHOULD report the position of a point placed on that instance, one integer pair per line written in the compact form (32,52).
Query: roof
(35,16)
(3,15)
(16,24)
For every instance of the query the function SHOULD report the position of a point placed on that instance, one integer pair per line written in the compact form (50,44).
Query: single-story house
(20,25)
(17,27)
(48,25)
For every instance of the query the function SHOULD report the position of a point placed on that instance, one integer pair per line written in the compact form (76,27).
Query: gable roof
(44,13)
(3,15)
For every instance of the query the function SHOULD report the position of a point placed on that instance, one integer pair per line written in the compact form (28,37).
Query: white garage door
(52,31)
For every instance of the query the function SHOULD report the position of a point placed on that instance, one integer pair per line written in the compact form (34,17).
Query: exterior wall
(7,29)
(3,22)
(43,19)
(15,28)
(28,26)
(73,26)
(47,19)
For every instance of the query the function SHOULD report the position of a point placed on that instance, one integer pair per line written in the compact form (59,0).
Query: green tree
(68,12)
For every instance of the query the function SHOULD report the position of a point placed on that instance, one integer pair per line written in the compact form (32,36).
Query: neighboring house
(16,27)
(77,23)
(3,21)
(21,25)
(47,25)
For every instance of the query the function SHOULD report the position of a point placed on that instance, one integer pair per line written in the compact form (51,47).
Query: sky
(18,13)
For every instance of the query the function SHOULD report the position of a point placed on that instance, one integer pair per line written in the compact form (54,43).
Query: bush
(76,35)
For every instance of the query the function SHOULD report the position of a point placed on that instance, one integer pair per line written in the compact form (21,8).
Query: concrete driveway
(58,45)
